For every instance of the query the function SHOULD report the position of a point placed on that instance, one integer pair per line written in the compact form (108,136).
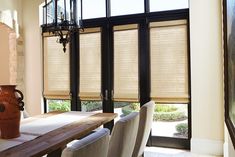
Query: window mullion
(144,63)
(74,72)
(108,9)
(146,6)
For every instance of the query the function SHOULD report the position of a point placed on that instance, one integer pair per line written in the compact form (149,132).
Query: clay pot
(10,105)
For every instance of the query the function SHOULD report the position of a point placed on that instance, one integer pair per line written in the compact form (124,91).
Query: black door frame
(106,25)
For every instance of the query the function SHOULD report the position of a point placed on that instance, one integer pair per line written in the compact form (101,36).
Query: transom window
(93,9)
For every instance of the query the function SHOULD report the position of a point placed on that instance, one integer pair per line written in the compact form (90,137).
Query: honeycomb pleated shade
(56,70)
(90,65)
(126,63)
(169,61)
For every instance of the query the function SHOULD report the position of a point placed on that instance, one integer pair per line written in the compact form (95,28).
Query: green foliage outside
(165,108)
(182,129)
(120,104)
(132,107)
(161,112)
(169,113)
(90,106)
(59,105)
(169,116)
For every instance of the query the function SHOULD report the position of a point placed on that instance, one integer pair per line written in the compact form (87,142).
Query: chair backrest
(123,136)
(145,124)
(93,145)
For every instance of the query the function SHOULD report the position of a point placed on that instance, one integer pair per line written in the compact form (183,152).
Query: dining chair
(93,145)
(145,124)
(123,136)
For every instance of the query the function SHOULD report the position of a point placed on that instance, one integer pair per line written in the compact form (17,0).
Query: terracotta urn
(10,106)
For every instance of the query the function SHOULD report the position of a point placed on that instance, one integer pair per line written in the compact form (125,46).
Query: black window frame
(106,24)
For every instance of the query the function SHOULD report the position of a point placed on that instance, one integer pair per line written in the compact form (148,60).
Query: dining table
(49,133)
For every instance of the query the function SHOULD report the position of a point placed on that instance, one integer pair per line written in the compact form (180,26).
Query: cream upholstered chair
(93,145)
(123,136)
(145,124)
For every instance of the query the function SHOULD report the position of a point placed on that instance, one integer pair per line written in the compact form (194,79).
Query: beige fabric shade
(169,64)
(126,63)
(169,61)
(56,70)
(90,64)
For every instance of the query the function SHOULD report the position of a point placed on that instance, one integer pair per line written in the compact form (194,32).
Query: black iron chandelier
(62,18)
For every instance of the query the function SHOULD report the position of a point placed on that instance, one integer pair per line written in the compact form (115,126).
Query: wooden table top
(57,138)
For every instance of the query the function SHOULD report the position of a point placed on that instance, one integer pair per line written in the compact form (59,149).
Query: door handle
(106,95)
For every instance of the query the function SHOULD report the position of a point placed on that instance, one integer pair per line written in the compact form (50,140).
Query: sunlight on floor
(167,152)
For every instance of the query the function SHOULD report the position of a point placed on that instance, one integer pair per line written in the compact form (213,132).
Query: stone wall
(17,69)
(8,55)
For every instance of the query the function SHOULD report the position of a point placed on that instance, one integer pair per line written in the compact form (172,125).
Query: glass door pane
(170,78)
(58,105)
(170,120)
(90,70)
(56,70)
(126,89)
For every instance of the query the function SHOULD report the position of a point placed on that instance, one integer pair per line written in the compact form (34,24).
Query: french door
(118,64)
(120,60)
(141,61)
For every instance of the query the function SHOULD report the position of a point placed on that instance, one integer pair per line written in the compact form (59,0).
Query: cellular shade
(169,61)
(126,63)
(56,70)
(90,64)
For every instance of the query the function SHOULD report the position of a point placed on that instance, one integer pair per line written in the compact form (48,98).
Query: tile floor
(166,152)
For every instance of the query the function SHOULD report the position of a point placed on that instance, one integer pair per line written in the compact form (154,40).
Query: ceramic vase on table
(10,106)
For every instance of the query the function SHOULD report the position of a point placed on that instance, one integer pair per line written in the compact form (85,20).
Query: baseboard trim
(225,149)
(206,146)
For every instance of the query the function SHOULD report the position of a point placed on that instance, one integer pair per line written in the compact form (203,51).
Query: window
(124,7)
(126,63)
(56,70)
(169,78)
(92,106)
(93,9)
(170,120)
(132,59)
(163,5)
(90,70)
(58,105)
